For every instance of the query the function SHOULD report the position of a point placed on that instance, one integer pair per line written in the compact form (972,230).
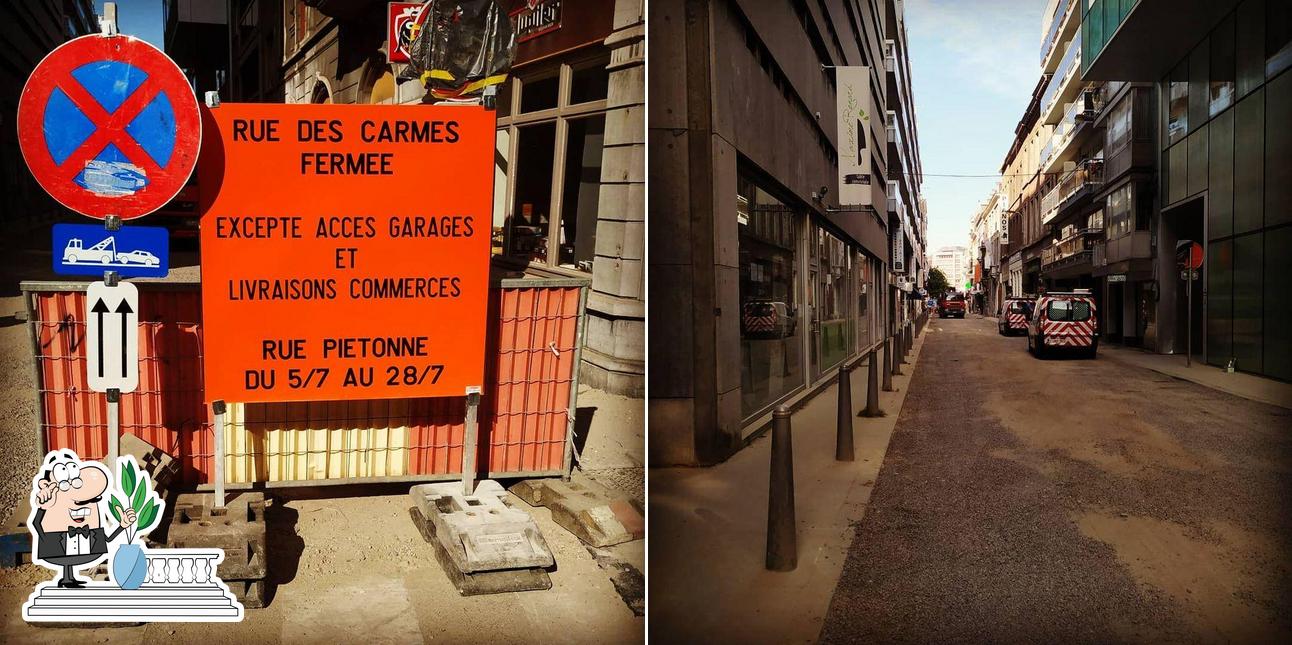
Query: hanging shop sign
(853,110)
(401,29)
(345,250)
(109,125)
(899,251)
(536,18)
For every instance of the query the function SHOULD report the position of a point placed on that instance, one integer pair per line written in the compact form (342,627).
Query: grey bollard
(843,420)
(888,367)
(897,353)
(782,543)
(901,352)
(872,388)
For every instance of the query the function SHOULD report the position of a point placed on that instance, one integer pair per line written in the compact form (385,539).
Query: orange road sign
(345,250)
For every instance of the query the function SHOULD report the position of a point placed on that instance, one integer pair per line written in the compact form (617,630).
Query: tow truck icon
(105,254)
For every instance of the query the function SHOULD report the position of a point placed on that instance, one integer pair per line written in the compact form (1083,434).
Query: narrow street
(1069,500)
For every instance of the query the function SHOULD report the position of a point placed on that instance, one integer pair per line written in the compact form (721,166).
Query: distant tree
(937,283)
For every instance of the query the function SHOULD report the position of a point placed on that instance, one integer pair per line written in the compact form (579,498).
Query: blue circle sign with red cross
(109,125)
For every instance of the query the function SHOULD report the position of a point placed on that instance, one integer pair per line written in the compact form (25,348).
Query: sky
(974,64)
(139,18)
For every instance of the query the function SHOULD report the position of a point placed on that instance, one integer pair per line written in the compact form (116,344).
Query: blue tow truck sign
(131,251)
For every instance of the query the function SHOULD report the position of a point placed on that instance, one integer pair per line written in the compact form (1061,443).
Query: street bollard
(897,353)
(843,420)
(782,544)
(888,367)
(901,351)
(872,388)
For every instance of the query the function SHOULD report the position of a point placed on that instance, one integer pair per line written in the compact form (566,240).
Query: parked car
(952,305)
(767,319)
(1014,316)
(138,257)
(1063,321)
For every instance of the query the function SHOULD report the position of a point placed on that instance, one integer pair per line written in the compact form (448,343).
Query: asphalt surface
(1074,500)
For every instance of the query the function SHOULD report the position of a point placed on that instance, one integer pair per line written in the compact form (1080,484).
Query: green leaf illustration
(147,516)
(141,493)
(114,505)
(127,477)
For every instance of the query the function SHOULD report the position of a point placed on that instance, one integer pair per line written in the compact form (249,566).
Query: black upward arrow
(100,308)
(125,311)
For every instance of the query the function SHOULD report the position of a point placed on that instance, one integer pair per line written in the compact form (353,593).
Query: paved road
(1070,500)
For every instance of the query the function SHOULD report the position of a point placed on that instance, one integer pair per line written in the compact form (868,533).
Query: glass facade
(1229,103)
(809,298)
(771,338)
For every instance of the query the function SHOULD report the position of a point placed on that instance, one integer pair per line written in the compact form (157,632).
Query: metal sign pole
(114,427)
(218,407)
(1188,356)
(469,441)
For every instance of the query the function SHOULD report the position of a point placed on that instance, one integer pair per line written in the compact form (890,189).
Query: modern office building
(29,31)
(952,261)
(764,277)
(1219,70)
(570,176)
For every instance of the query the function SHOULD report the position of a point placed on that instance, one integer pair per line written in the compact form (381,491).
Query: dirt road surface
(1070,500)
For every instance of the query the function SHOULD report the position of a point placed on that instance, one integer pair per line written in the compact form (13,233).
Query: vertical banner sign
(401,29)
(345,250)
(899,250)
(853,111)
(112,336)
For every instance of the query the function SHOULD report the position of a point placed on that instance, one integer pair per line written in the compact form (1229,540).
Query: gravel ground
(1069,500)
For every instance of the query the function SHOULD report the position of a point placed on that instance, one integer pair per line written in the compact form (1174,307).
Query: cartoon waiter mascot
(66,522)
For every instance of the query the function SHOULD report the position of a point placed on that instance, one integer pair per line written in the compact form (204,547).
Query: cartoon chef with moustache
(66,523)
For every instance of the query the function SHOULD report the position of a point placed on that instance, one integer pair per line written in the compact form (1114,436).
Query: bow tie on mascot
(67,522)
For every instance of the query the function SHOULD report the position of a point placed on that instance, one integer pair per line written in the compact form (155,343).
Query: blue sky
(973,66)
(139,18)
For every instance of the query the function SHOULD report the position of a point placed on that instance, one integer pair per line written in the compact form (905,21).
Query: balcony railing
(890,56)
(1088,173)
(1063,75)
(1080,243)
(1060,17)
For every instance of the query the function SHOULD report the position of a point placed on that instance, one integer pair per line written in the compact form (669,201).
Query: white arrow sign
(112,336)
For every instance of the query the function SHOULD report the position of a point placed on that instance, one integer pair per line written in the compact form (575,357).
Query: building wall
(1226,173)
(744,112)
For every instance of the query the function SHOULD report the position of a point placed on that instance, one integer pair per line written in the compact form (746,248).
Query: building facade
(952,261)
(569,190)
(29,31)
(762,282)
(1217,94)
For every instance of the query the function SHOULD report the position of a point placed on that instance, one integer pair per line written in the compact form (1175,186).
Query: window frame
(561,115)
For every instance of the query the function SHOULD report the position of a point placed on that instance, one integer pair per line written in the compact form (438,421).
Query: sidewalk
(1247,386)
(709,525)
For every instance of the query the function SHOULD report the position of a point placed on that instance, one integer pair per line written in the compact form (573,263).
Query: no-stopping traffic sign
(108,125)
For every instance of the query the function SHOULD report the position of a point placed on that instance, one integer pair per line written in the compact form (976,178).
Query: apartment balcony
(1064,85)
(1141,40)
(890,56)
(1071,256)
(1074,189)
(1066,22)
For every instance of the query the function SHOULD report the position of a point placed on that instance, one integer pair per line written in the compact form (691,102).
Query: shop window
(589,82)
(835,321)
(555,148)
(770,334)
(531,216)
(1223,68)
(581,191)
(539,93)
(1177,118)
